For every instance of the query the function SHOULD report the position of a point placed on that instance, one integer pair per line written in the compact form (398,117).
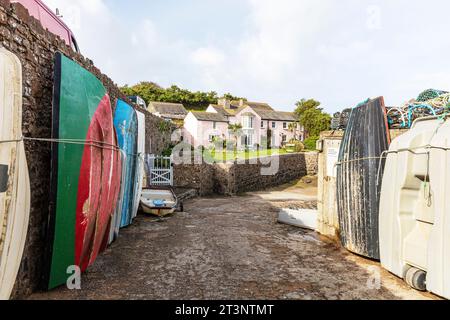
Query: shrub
(298,146)
(310,143)
(168,152)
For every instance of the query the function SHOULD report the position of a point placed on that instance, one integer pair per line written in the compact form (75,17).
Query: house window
(247,140)
(262,124)
(247,122)
(284,138)
(214,125)
(274,125)
(285,126)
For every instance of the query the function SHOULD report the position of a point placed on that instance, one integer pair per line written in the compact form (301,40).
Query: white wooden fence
(159,170)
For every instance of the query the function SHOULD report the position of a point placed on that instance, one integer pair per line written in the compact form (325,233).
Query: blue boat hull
(125,122)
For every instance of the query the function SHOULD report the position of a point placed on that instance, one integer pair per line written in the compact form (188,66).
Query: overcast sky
(339,52)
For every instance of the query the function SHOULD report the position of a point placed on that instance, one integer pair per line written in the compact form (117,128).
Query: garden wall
(36,47)
(195,176)
(234,178)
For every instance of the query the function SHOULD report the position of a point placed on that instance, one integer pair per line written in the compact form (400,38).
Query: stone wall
(158,134)
(254,175)
(195,176)
(36,47)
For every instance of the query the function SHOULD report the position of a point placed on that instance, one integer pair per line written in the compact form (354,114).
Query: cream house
(262,126)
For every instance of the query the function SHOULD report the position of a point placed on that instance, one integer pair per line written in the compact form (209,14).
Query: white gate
(159,170)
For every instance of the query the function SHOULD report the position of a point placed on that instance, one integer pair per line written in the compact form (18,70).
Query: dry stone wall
(234,178)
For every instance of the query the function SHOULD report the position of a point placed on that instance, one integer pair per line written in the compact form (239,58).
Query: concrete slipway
(233,248)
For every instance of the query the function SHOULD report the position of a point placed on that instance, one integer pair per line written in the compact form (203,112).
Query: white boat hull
(150,207)
(15,192)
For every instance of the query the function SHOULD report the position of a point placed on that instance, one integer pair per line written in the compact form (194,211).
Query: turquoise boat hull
(126,124)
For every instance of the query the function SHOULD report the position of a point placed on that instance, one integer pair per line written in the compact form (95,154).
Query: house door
(247,140)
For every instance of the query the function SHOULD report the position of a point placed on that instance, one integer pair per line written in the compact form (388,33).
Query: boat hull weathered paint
(358,193)
(116,220)
(150,194)
(85,163)
(14,179)
(126,124)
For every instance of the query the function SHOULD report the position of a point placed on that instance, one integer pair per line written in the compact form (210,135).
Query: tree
(304,105)
(151,91)
(293,127)
(231,97)
(312,117)
(236,132)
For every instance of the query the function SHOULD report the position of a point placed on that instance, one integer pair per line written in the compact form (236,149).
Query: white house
(261,125)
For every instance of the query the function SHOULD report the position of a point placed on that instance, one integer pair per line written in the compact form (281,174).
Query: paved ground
(232,248)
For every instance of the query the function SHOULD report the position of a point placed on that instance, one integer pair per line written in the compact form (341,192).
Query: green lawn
(225,156)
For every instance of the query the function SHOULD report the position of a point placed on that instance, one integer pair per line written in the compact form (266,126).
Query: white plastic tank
(415,207)
(438,280)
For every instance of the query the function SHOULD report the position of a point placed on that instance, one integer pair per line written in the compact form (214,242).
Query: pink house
(261,125)
(202,128)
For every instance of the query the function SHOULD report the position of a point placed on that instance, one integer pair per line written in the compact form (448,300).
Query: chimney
(241,103)
(224,102)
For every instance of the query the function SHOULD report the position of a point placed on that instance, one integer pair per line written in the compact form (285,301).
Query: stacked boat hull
(366,138)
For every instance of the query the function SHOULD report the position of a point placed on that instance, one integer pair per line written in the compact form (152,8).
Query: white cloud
(208,56)
(278,51)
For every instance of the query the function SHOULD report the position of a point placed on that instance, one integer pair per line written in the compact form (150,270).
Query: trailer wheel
(416,279)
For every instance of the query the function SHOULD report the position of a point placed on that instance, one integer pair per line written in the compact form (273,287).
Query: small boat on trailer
(159,201)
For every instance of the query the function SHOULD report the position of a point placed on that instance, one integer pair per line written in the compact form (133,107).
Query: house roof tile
(264,110)
(174,110)
(209,116)
(277,115)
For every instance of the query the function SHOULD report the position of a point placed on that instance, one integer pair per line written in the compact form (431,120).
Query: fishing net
(430,94)
(404,116)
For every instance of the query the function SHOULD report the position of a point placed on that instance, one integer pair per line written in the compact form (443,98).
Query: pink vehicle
(50,21)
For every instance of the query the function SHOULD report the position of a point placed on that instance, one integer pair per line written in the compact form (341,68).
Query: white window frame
(248,122)
(249,136)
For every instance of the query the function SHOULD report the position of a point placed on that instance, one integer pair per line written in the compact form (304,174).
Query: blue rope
(419,106)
